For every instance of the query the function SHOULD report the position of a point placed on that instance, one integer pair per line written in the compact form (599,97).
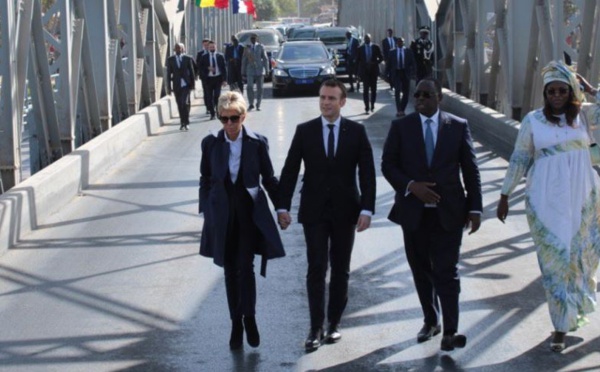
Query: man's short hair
(436,83)
(333,83)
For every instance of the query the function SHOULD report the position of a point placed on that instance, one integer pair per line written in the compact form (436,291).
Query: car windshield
(268,39)
(332,36)
(303,34)
(312,53)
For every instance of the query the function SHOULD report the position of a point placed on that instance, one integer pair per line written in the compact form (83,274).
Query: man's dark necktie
(429,141)
(330,142)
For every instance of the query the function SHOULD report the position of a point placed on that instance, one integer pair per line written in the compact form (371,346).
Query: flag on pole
(251,9)
(222,4)
(235,6)
(206,3)
(241,6)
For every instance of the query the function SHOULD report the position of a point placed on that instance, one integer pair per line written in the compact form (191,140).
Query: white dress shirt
(235,156)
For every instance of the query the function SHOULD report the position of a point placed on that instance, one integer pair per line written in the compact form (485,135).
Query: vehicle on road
(302,66)
(335,39)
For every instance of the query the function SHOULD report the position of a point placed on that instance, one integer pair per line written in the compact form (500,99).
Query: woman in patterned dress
(562,196)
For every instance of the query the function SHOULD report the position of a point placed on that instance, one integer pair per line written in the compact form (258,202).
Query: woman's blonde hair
(232,100)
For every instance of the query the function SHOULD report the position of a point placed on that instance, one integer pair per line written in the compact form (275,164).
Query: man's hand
(363,223)
(474,219)
(423,191)
(502,209)
(284,219)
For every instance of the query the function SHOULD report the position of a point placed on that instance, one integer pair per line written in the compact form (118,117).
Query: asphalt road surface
(114,282)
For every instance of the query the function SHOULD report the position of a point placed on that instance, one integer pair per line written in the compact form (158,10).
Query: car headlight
(329,70)
(279,72)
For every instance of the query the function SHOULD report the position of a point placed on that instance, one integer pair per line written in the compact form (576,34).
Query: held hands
(423,192)
(502,210)
(284,219)
(363,223)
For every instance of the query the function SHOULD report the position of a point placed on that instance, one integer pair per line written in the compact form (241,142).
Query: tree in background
(266,9)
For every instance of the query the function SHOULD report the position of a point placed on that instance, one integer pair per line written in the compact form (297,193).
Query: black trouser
(401,85)
(328,243)
(240,246)
(204,93)
(350,67)
(370,84)
(213,86)
(234,76)
(432,255)
(182,97)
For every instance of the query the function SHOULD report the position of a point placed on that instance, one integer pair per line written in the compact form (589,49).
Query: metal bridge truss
(86,66)
(491,51)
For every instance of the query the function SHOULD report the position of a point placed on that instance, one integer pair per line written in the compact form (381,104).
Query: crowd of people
(429,160)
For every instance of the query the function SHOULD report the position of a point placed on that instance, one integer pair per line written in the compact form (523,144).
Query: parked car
(269,37)
(302,65)
(335,39)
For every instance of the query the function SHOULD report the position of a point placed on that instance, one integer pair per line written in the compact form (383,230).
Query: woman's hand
(502,210)
(587,87)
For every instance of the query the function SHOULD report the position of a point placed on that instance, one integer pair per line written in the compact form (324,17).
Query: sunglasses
(234,119)
(561,91)
(419,94)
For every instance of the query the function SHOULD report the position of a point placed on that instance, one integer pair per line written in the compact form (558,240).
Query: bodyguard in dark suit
(369,58)
(181,78)
(213,72)
(424,155)
(238,223)
(199,55)
(401,68)
(388,44)
(233,57)
(351,54)
(334,151)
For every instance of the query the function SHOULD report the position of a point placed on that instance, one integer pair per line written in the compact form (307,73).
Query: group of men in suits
(424,155)
(364,61)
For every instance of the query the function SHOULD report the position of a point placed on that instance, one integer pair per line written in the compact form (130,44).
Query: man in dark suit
(351,52)
(233,57)
(401,68)
(214,72)
(388,44)
(199,55)
(423,158)
(369,58)
(332,206)
(181,78)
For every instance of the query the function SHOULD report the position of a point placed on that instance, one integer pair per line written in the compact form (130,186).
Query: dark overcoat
(214,203)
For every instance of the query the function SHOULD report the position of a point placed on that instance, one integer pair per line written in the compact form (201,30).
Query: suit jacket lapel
(222,161)
(342,138)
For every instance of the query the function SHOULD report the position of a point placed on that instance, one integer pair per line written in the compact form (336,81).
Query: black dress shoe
(366,110)
(313,341)
(252,335)
(427,332)
(251,107)
(212,117)
(333,334)
(450,342)
(237,334)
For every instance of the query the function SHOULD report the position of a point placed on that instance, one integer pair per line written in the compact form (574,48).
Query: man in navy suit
(369,58)
(423,158)
(233,58)
(401,68)
(351,52)
(335,152)
(214,72)
(388,44)
(181,78)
